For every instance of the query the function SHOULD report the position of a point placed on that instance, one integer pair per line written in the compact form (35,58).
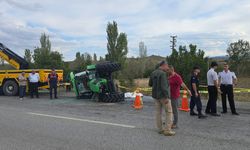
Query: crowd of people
(32,81)
(166,84)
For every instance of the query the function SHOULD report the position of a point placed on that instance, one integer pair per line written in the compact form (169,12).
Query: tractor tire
(107,67)
(111,98)
(10,88)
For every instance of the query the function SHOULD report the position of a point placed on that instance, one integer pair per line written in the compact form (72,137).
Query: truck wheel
(108,67)
(111,98)
(10,88)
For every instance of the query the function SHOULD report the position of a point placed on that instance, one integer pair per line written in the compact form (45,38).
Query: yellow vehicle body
(9,79)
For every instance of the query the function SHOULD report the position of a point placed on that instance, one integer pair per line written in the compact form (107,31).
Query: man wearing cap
(53,80)
(160,92)
(227,80)
(213,89)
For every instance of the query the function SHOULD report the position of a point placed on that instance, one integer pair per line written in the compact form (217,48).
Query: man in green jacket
(160,92)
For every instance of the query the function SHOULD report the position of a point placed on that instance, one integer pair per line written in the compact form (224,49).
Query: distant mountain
(219,57)
(154,59)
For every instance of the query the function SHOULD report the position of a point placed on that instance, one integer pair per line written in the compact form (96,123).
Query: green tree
(43,56)
(101,59)
(184,60)
(88,59)
(79,62)
(56,60)
(28,57)
(239,56)
(117,45)
(95,58)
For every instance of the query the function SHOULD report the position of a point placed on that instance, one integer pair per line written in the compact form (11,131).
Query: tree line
(182,59)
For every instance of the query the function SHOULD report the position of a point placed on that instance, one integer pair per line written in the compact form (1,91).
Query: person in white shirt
(227,80)
(33,83)
(213,89)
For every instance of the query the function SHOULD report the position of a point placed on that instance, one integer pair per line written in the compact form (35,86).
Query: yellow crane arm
(12,62)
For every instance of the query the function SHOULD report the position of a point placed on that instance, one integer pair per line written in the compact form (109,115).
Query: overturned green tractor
(96,82)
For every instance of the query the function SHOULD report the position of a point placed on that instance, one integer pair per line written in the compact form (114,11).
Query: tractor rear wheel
(108,67)
(111,98)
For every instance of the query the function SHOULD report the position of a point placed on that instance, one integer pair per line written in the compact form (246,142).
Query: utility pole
(173,42)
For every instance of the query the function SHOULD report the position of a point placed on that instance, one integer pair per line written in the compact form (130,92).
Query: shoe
(56,97)
(223,112)
(215,114)
(201,116)
(174,126)
(21,99)
(169,133)
(192,113)
(235,113)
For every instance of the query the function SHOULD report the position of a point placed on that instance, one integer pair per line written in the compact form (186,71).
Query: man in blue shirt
(195,98)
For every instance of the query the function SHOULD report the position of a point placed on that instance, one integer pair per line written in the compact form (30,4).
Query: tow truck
(9,78)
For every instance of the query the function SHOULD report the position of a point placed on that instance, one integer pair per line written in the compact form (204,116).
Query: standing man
(213,89)
(53,79)
(22,85)
(227,80)
(195,98)
(33,86)
(175,82)
(160,92)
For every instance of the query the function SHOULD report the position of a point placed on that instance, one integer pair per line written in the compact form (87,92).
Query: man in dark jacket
(160,92)
(53,79)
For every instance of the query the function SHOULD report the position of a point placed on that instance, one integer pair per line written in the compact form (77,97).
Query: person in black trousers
(53,80)
(195,98)
(213,89)
(227,80)
(33,83)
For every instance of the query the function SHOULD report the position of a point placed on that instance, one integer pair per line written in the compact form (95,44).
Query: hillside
(153,58)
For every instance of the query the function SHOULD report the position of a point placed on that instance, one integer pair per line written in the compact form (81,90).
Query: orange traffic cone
(138,102)
(184,102)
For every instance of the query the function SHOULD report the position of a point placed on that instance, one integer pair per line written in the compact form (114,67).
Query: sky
(80,25)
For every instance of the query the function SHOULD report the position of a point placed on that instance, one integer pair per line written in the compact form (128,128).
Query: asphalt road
(70,124)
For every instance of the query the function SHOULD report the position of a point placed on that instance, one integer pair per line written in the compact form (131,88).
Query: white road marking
(83,120)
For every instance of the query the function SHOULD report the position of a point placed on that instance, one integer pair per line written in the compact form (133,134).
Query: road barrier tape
(236,90)
(123,87)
